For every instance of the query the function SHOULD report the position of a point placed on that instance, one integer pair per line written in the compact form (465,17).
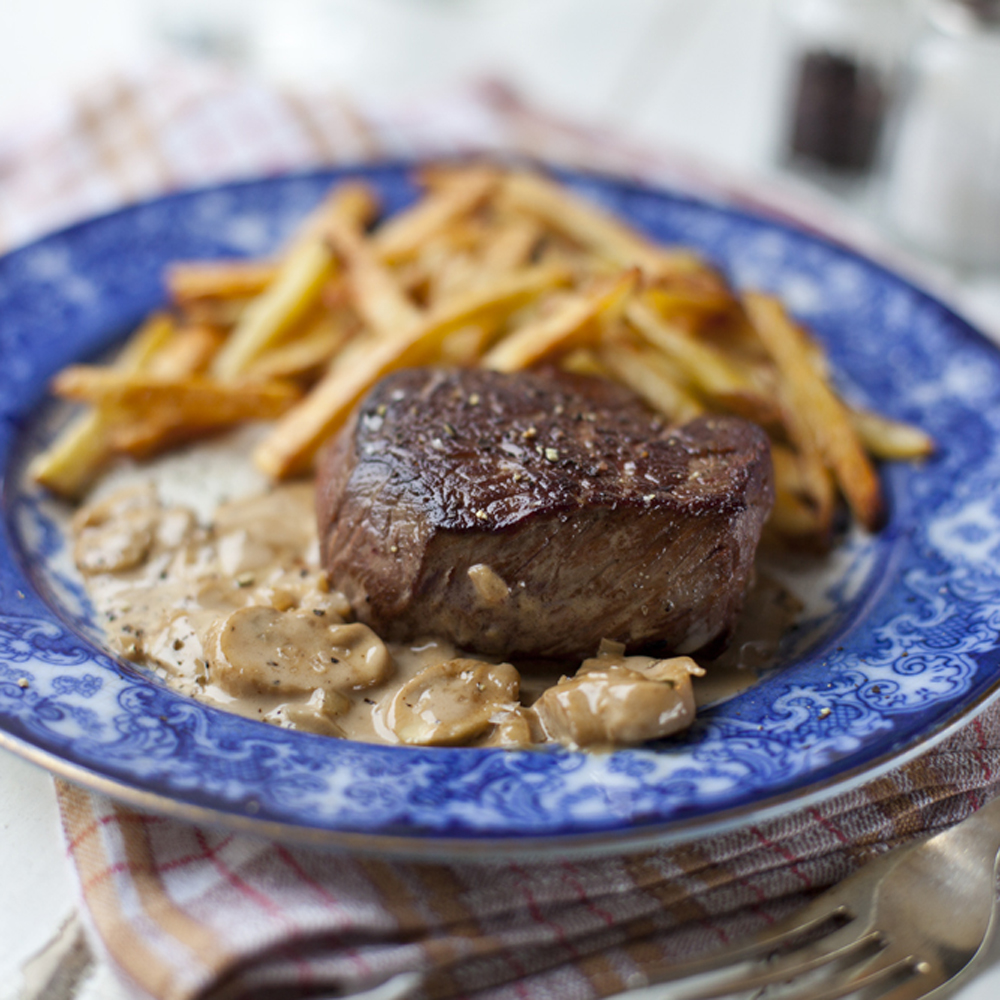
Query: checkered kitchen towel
(186,912)
(178,125)
(189,912)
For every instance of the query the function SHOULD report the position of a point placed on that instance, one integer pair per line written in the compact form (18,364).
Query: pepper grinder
(842,61)
(943,179)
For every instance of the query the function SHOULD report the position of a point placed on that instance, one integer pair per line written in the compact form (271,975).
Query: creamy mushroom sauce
(239,614)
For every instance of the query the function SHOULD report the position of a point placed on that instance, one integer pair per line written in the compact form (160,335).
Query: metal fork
(905,924)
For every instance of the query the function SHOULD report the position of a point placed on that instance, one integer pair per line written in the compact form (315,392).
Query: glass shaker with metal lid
(842,62)
(943,180)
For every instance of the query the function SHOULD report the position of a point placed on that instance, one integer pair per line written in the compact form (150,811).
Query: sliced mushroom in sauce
(453,702)
(620,700)
(260,649)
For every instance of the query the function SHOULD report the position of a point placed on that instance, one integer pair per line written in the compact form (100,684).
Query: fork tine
(767,969)
(916,987)
(760,962)
(801,924)
(891,978)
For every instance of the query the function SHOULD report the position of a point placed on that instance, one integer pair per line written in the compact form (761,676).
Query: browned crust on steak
(600,521)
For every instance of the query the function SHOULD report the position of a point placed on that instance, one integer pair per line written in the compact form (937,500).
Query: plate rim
(486,849)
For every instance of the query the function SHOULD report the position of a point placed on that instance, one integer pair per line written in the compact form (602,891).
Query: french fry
(224,314)
(293,292)
(465,346)
(802,471)
(593,228)
(817,410)
(455,194)
(707,368)
(377,296)
(512,244)
(194,399)
(793,519)
(188,281)
(354,200)
(570,324)
(583,361)
(454,261)
(296,287)
(289,449)
(153,433)
(819,488)
(303,356)
(651,376)
(68,466)
(804,498)
(454,274)
(890,440)
(670,300)
(190,350)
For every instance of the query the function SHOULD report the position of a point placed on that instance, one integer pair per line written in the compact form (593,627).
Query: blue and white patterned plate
(907,649)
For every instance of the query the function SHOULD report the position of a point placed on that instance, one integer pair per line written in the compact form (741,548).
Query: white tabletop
(697,76)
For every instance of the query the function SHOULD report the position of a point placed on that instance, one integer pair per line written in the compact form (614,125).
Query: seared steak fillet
(535,514)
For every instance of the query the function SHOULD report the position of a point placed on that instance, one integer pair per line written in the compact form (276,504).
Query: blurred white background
(691,74)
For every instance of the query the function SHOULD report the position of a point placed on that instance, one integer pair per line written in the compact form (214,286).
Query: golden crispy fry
(218,279)
(269,317)
(820,490)
(375,292)
(354,200)
(492,301)
(68,466)
(583,361)
(574,320)
(455,193)
(153,433)
(793,519)
(816,409)
(593,228)
(295,289)
(804,498)
(452,274)
(152,336)
(305,355)
(803,473)
(789,472)
(891,440)
(451,263)
(707,368)
(670,300)
(291,446)
(511,244)
(651,376)
(464,347)
(552,249)
(157,429)
(221,313)
(193,399)
(190,350)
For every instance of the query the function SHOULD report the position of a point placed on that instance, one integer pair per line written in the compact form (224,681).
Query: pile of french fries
(500,268)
